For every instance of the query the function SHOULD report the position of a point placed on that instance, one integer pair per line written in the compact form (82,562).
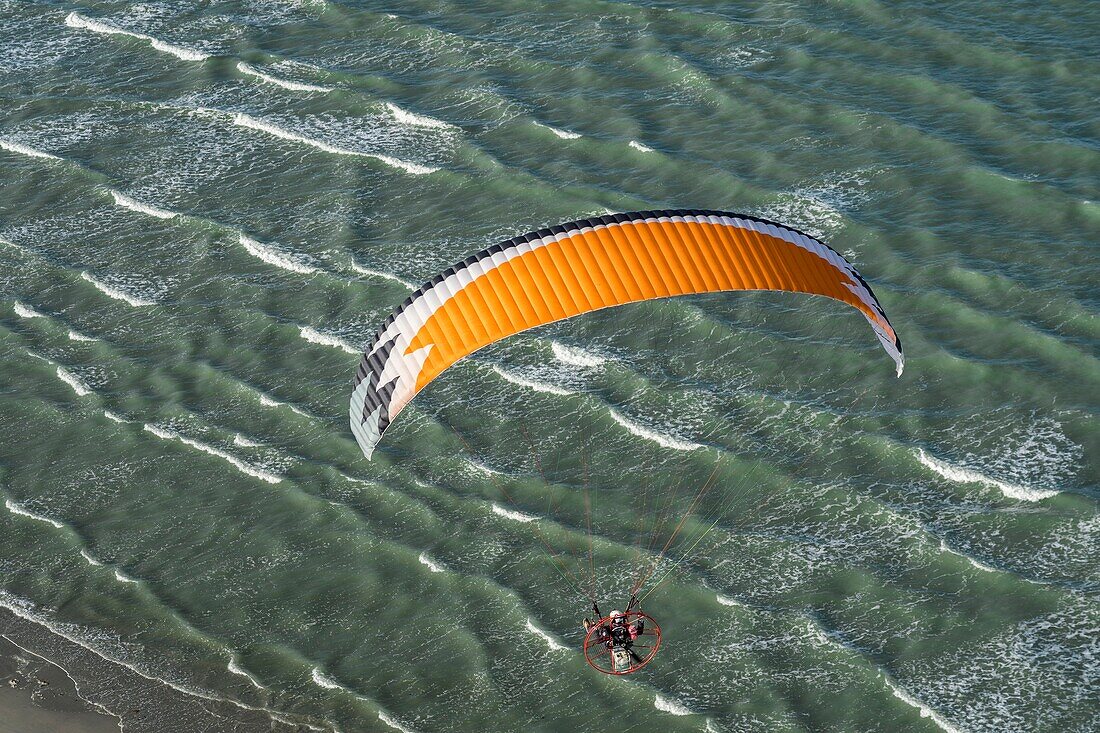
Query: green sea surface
(207,209)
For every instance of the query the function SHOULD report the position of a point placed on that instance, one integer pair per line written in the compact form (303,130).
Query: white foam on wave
(482,468)
(16,508)
(252,123)
(323,680)
(235,667)
(563,134)
(575,356)
(432,564)
(123,577)
(664,441)
(389,720)
(296,86)
(411,118)
(326,339)
(553,643)
(112,416)
(509,514)
(78,385)
(112,292)
(944,547)
(962,475)
(25,311)
(127,202)
(273,256)
(77,336)
(13,147)
(267,401)
(530,383)
(925,711)
(639,146)
(89,559)
(379,273)
(26,610)
(76,20)
(237,463)
(668,705)
(244,442)
(726,601)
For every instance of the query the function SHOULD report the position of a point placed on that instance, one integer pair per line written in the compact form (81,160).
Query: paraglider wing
(583,266)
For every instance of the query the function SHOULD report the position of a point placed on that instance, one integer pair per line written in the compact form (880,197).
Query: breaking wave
(316,337)
(14,147)
(664,441)
(76,20)
(513,515)
(530,383)
(563,134)
(112,292)
(16,508)
(411,118)
(128,203)
(575,356)
(273,256)
(252,123)
(553,643)
(284,83)
(961,475)
(237,463)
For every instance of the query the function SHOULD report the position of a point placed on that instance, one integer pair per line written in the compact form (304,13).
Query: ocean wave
(76,20)
(26,610)
(77,336)
(482,468)
(316,337)
(925,711)
(639,146)
(244,442)
(530,383)
(575,356)
(123,577)
(668,705)
(16,508)
(284,83)
(235,667)
(961,475)
(25,311)
(127,202)
(276,257)
(112,292)
(662,440)
(322,680)
(90,560)
(430,563)
(237,463)
(513,515)
(13,147)
(252,123)
(391,722)
(378,273)
(268,401)
(78,385)
(411,118)
(112,416)
(553,643)
(944,547)
(563,134)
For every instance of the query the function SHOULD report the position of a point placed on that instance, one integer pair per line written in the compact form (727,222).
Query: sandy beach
(37,696)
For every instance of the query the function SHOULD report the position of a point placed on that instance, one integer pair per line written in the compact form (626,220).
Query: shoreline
(50,682)
(37,695)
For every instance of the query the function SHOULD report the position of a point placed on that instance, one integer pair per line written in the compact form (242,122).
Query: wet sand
(37,696)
